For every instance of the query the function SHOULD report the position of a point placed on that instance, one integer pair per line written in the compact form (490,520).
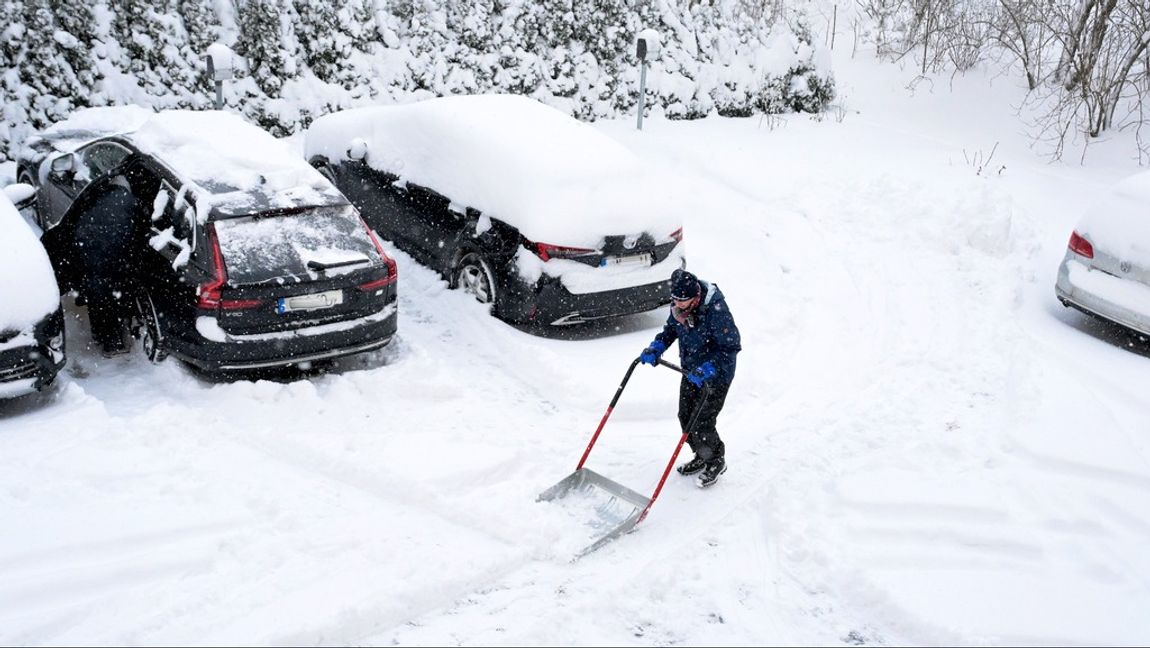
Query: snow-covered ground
(924,446)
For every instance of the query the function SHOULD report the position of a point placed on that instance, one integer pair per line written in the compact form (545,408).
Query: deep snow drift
(924,446)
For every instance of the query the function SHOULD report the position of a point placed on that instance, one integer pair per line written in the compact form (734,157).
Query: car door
(171,238)
(382,201)
(89,163)
(433,224)
(167,270)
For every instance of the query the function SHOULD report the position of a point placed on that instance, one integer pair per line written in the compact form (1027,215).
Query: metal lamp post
(221,61)
(647,48)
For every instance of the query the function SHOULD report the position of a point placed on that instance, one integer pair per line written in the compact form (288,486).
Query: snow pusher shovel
(624,508)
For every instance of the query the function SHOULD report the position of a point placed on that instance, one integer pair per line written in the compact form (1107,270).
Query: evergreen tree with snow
(201,29)
(428,42)
(472,61)
(322,50)
(200,23)
(135,34)
(261,42)
(357,19)
(48,84)
(76,37)
(604,30)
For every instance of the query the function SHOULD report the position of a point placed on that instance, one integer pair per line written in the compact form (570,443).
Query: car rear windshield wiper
(324,266)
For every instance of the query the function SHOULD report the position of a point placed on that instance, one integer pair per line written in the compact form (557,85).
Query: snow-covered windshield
(554,178)
(303,244)
(28,291)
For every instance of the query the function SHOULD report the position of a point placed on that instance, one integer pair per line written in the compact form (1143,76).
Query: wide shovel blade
(617,509)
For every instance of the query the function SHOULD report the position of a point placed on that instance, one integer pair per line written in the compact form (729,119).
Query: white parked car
(1106,270)
(31,320)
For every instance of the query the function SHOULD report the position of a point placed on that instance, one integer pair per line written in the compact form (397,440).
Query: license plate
(633,259)
(314,301)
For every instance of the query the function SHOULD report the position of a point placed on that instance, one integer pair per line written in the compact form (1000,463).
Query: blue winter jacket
(710,334)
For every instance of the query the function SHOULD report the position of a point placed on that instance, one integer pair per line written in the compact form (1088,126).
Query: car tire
(151,335)
(473,274)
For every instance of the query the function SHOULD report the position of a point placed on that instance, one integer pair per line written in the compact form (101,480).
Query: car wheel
(151,336)
(474,276)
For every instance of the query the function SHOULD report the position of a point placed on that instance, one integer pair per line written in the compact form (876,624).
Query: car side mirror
(357,150)
(64,165)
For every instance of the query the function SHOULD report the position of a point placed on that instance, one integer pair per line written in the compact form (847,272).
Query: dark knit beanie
(684,285)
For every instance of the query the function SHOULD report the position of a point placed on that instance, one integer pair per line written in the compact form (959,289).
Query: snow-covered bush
(305,58)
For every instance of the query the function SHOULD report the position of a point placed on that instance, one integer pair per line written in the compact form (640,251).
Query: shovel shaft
(607,414)
(666,471)
(675,455)
(611,408)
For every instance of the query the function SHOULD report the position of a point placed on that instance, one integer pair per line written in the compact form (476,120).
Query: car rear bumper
(214,350)
(550,303)
(1104,295)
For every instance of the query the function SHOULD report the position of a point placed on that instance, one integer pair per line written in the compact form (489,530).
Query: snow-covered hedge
(309,57)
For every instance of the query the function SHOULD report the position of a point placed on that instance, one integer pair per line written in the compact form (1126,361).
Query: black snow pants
(110,306)
(704,439)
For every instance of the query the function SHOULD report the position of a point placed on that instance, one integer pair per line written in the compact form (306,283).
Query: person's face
(686,305)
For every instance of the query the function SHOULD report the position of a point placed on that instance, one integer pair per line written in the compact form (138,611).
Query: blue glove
(651,354)
(701,374)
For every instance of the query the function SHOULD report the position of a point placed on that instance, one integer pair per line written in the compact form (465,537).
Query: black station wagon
(252,259)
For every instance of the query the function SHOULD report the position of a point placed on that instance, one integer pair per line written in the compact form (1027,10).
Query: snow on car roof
(243,166)
(88,124)
(556,179)
(29,291)
(1119,223)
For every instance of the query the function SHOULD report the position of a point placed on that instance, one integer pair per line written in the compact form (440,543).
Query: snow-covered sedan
(31,320)
(249,257)
(1106,269)
(532,211)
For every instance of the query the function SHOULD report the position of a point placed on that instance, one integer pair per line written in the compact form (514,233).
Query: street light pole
(646,48)
(642,93)
(221,67)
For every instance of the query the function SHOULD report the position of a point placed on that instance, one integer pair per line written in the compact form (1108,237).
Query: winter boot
(691,467)
(711,473)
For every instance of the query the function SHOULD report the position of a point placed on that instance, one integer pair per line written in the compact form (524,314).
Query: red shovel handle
(682,439)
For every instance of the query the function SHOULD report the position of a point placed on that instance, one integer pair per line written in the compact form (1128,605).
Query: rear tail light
(209,297)
(678,235)
(210,292)
(1081,246)
(546,251)
(392,269)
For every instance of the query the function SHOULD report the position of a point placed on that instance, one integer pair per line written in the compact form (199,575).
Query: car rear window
(284,246)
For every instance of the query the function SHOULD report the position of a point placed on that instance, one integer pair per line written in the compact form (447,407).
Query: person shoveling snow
(708,343)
